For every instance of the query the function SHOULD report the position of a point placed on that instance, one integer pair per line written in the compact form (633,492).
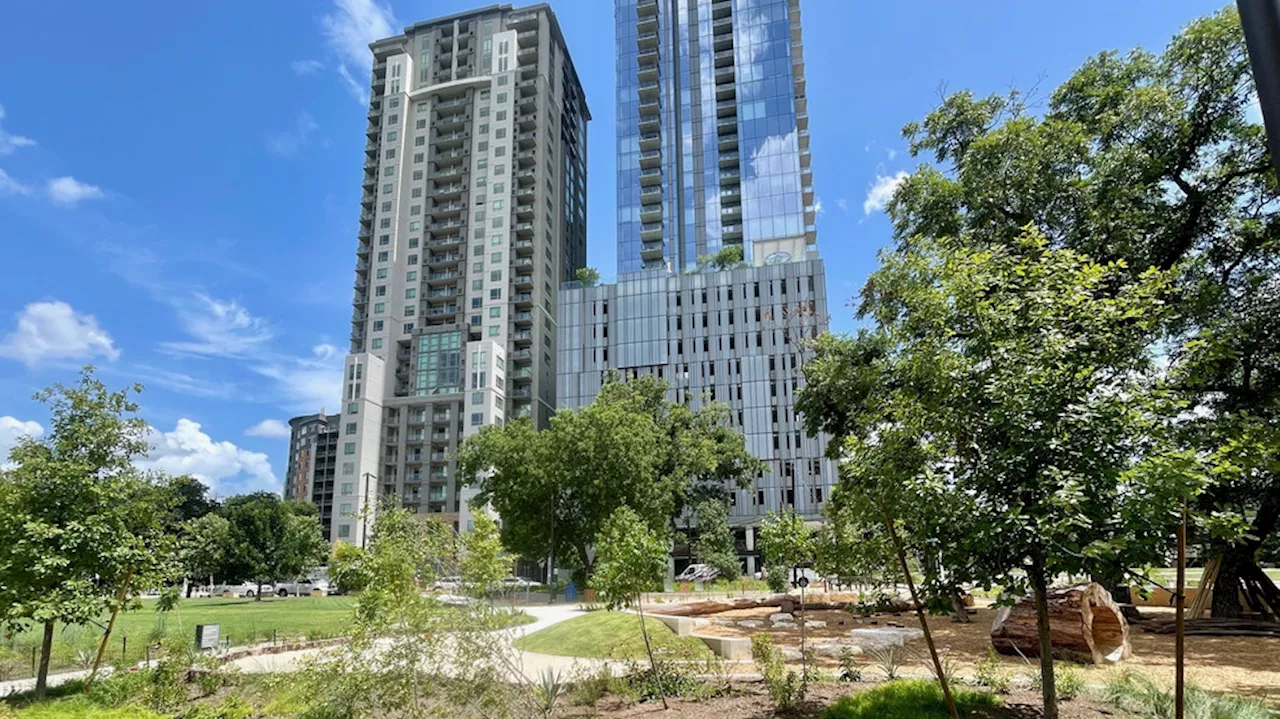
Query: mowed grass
(610,635)
(243,621)
(909,699)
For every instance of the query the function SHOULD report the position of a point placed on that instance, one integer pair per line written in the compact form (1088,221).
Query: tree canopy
(271,539)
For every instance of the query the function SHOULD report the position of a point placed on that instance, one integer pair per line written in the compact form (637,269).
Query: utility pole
(1261,21)
(364,513)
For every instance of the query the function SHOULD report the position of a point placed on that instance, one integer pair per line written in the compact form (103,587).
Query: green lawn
(613,635)
(243,621)
(906,699)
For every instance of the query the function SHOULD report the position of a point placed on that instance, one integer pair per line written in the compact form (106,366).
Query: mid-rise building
(473,213)
(713,131)
(313,457)
(732,336)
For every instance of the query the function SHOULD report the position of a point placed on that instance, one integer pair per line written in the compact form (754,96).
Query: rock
(790,654)
(814,623)
(880,638)
(721,621)
(784,625)
(781,617)
(751,623)
(835,650)
(699,622)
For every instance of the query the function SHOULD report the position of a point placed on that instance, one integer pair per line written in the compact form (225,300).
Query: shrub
(1139,696)
(913,699)
(776,579)
(849,672)
(992,674)
(890,659)
(591,688)
(785,688)
(1067,682)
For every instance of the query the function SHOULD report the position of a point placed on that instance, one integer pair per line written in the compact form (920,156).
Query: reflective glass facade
(713,145)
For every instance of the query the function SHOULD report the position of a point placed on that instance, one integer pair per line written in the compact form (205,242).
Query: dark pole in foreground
(1261,21)
(1179,647)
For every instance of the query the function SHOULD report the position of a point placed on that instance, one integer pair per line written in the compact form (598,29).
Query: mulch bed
(751,701)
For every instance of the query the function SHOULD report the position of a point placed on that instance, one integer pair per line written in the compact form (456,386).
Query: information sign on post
(207,636)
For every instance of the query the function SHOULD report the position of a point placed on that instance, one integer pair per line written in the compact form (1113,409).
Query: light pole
(364,512)
(1261,21)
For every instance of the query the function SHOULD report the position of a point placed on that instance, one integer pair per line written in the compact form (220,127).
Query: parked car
(302,587)
(244,589)
(698,573)
(518,583)
(446,585)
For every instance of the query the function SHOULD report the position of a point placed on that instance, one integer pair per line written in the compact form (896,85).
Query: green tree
(1150,159)
(630,447)
(786,542)
(632,560)
(484,563)
(70,542)
(588,276)
(348,567)
(714,545)
(271,539)
(193,500)
(206,545)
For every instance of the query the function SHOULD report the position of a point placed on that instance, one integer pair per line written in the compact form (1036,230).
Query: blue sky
(179,182)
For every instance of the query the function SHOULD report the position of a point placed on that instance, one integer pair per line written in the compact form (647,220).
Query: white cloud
(309,384)
(220,328)
(10,186)
(349,30)
(186,384)
(305,67)
(289,142)
(357,90)
(273,428)
(818,209)
(69,190)
(11,428)
(354,25)
(843,204)
(892,153)
(224,466)
(8,142)
(881,191)
(54,331)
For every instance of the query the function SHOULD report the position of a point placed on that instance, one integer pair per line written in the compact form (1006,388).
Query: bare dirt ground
(751,701)
(1237,665)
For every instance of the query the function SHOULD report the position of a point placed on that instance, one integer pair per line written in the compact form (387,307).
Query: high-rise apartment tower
(713,131)
(473,212)
(313,461)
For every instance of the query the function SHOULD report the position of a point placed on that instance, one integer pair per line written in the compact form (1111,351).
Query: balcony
(443,292)
(527,38)
(449,172)
(449,123)
(729,142)
(444,276)
(523,319)
(446,227)
(722,25)
(648,23)
(648,57)
(727,108)
(522,336)
(721,9)
(646,8)
(524,229)
(446,311)
(650,108)
(527,139)
(523,247)
(441,417)
(651,231)
(651,195)
(651,212)
(731,232)
(527,158)
(450,139)
(524,374)
(523,299)
(455,105)
(647,40)
(441,156)
(524,282)
(647,73)
(527,56)
(724,75)
(522,393)
(729,159)
(651,251)
(448,192)
(522,356)
(650,140)
(446,241)
(523,21)
(451,258)
(649,90)
(528,87)
(527,103)
(650,158)
(731,214)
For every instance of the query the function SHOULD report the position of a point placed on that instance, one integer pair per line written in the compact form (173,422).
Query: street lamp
(1261,21)
(364,514)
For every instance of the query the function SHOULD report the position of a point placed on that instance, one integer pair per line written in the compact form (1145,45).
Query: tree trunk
(1239,569)
(1047,688)
(257,596)
(924,622)
(648,647)
(115,612)
(46,648)
(1085,626)
(960,612)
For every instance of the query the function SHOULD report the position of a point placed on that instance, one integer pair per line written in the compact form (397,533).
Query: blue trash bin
(571,592)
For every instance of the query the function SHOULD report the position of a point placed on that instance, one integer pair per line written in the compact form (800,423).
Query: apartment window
(421,124)
(377,343)
(386,188)
(407,327)
(501,115)
(415,209)
(347,487)
(482,146)
(477,285)
(417,174)
(481,181)
(495,294)
(502,80)
(379,307)
(392,135)
(413,242)
(497,222)
(389,171)
(382,273)
(497,204)
(495,240)
(482,163)
(393,119)
(409,310)
(497,187)
(479,216)
(349,467)
(477,398)
(353,408)
(384,223)
(493,330)
(502,97)
(386,206)
(377,325)
(495,276)
(499,151)
(349,448)
(499,169)
(411,276)
(418,157)
(389,154)
(410,293)
(380,291)
(501,133)
(495,311)
(344,531)
(476,418)
(495,257)
(477,267)
(484,112)
(484,129)
(351,428)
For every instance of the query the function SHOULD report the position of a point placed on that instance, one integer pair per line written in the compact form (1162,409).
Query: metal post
(1261,21)
(1180,639)
(124,646)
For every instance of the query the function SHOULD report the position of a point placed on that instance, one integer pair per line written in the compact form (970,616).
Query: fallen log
(698,609)
(1224,627)
(1085,625)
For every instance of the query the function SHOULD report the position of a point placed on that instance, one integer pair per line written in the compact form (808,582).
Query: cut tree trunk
(1085,625)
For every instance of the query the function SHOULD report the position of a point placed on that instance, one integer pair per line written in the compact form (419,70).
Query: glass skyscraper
(713,132)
